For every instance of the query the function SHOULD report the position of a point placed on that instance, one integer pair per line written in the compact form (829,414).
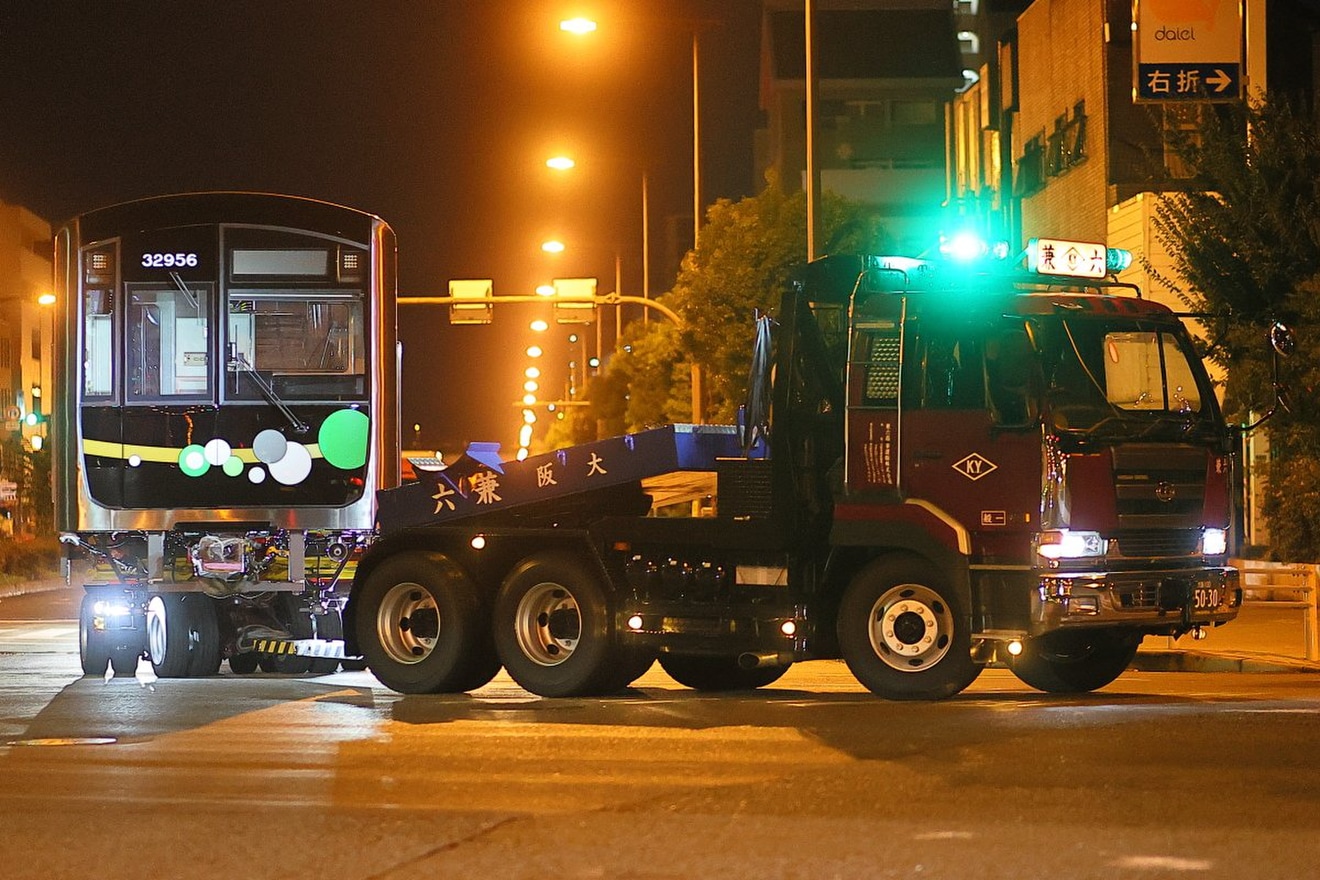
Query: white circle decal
(257,475)
(294,467)
(217,452)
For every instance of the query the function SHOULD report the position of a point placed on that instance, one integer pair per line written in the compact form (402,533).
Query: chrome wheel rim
(911,628)
(408,623)
(548,624)
(157,642)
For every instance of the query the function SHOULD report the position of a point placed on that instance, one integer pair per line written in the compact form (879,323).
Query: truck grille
(1159,487)
(1162,542)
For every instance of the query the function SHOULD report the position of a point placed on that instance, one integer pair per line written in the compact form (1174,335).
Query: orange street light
(577,25)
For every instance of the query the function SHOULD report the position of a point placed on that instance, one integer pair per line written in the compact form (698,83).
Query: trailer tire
(1075,661)
(93,647)
(554,629)
(294,618)
(203,635)
(169,636)
(718,673)
(423,627)
(245,663)
(904,633)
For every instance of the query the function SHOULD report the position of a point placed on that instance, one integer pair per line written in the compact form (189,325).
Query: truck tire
(1075,661)
(554,629)
(423,627)
(204,635)
(95,649)
(904,633)
(169,637)
(718,673)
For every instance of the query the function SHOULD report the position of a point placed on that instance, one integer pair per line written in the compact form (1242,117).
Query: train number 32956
(169,261)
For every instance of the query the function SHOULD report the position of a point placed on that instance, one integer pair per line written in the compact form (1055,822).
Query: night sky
(435,115)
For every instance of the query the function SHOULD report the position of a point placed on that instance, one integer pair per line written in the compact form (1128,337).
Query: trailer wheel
(203,634)
(423,627)
(328,626)
(245,663)
(719,673)
(903,632)
(294,618)
(1075,661)
(553,629)
(93,647)
(169,637)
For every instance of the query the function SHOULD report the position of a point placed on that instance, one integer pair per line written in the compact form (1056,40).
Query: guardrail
(1286,585)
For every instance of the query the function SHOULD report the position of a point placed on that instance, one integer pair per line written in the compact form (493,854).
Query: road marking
(1164,863)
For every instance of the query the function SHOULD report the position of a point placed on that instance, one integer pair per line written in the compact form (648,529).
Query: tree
(748,251)
(1246,248)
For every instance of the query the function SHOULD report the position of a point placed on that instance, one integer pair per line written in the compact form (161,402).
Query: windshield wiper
(238,362)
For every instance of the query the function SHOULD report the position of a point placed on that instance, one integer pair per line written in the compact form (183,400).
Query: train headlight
(1214,542)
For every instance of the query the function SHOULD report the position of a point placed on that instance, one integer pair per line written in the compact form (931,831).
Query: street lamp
(582,26)
(567,163)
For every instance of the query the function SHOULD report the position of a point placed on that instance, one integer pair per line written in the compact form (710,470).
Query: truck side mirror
(1282,339)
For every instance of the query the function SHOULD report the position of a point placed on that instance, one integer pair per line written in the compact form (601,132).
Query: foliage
(28,559)
(748,252)
(1246,248)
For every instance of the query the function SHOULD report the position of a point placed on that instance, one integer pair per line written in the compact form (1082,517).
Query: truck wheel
(1075,661)
(553,629)
(904,634)
(204,635)
(704,673)
(169,638)
(423,627)
(93,647)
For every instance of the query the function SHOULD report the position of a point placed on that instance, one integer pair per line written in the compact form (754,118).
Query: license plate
(1207,598)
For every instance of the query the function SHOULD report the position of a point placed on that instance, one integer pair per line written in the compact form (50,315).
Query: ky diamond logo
(975,466)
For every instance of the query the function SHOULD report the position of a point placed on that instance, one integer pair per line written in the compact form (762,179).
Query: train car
(227,375)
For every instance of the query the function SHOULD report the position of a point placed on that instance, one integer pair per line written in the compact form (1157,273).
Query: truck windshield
(1111,374)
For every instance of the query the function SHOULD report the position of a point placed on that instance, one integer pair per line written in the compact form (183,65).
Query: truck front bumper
(1172,600)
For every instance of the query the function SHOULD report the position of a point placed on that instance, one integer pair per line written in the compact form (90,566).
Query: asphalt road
(1159,775)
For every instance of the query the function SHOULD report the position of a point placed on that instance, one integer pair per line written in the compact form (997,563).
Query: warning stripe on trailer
(300,647)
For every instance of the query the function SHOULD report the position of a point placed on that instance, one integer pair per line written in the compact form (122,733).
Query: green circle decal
(233,466)
(192,461)
(343,438)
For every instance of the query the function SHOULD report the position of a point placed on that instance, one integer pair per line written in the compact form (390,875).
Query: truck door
(970,445)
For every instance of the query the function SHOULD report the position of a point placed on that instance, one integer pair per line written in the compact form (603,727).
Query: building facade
(26,362)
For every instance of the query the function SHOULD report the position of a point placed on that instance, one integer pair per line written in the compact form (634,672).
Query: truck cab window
(945,370)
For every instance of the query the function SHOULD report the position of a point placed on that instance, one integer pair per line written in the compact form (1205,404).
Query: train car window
(304,345)
(168,337)
(98,344)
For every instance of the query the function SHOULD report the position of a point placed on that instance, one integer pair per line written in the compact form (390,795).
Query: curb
(1201,661)
(27,588)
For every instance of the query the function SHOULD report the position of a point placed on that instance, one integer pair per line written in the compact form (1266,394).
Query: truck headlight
(1069,544)
(1214,542)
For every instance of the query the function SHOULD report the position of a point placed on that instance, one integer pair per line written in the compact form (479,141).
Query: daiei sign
(1187,50)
